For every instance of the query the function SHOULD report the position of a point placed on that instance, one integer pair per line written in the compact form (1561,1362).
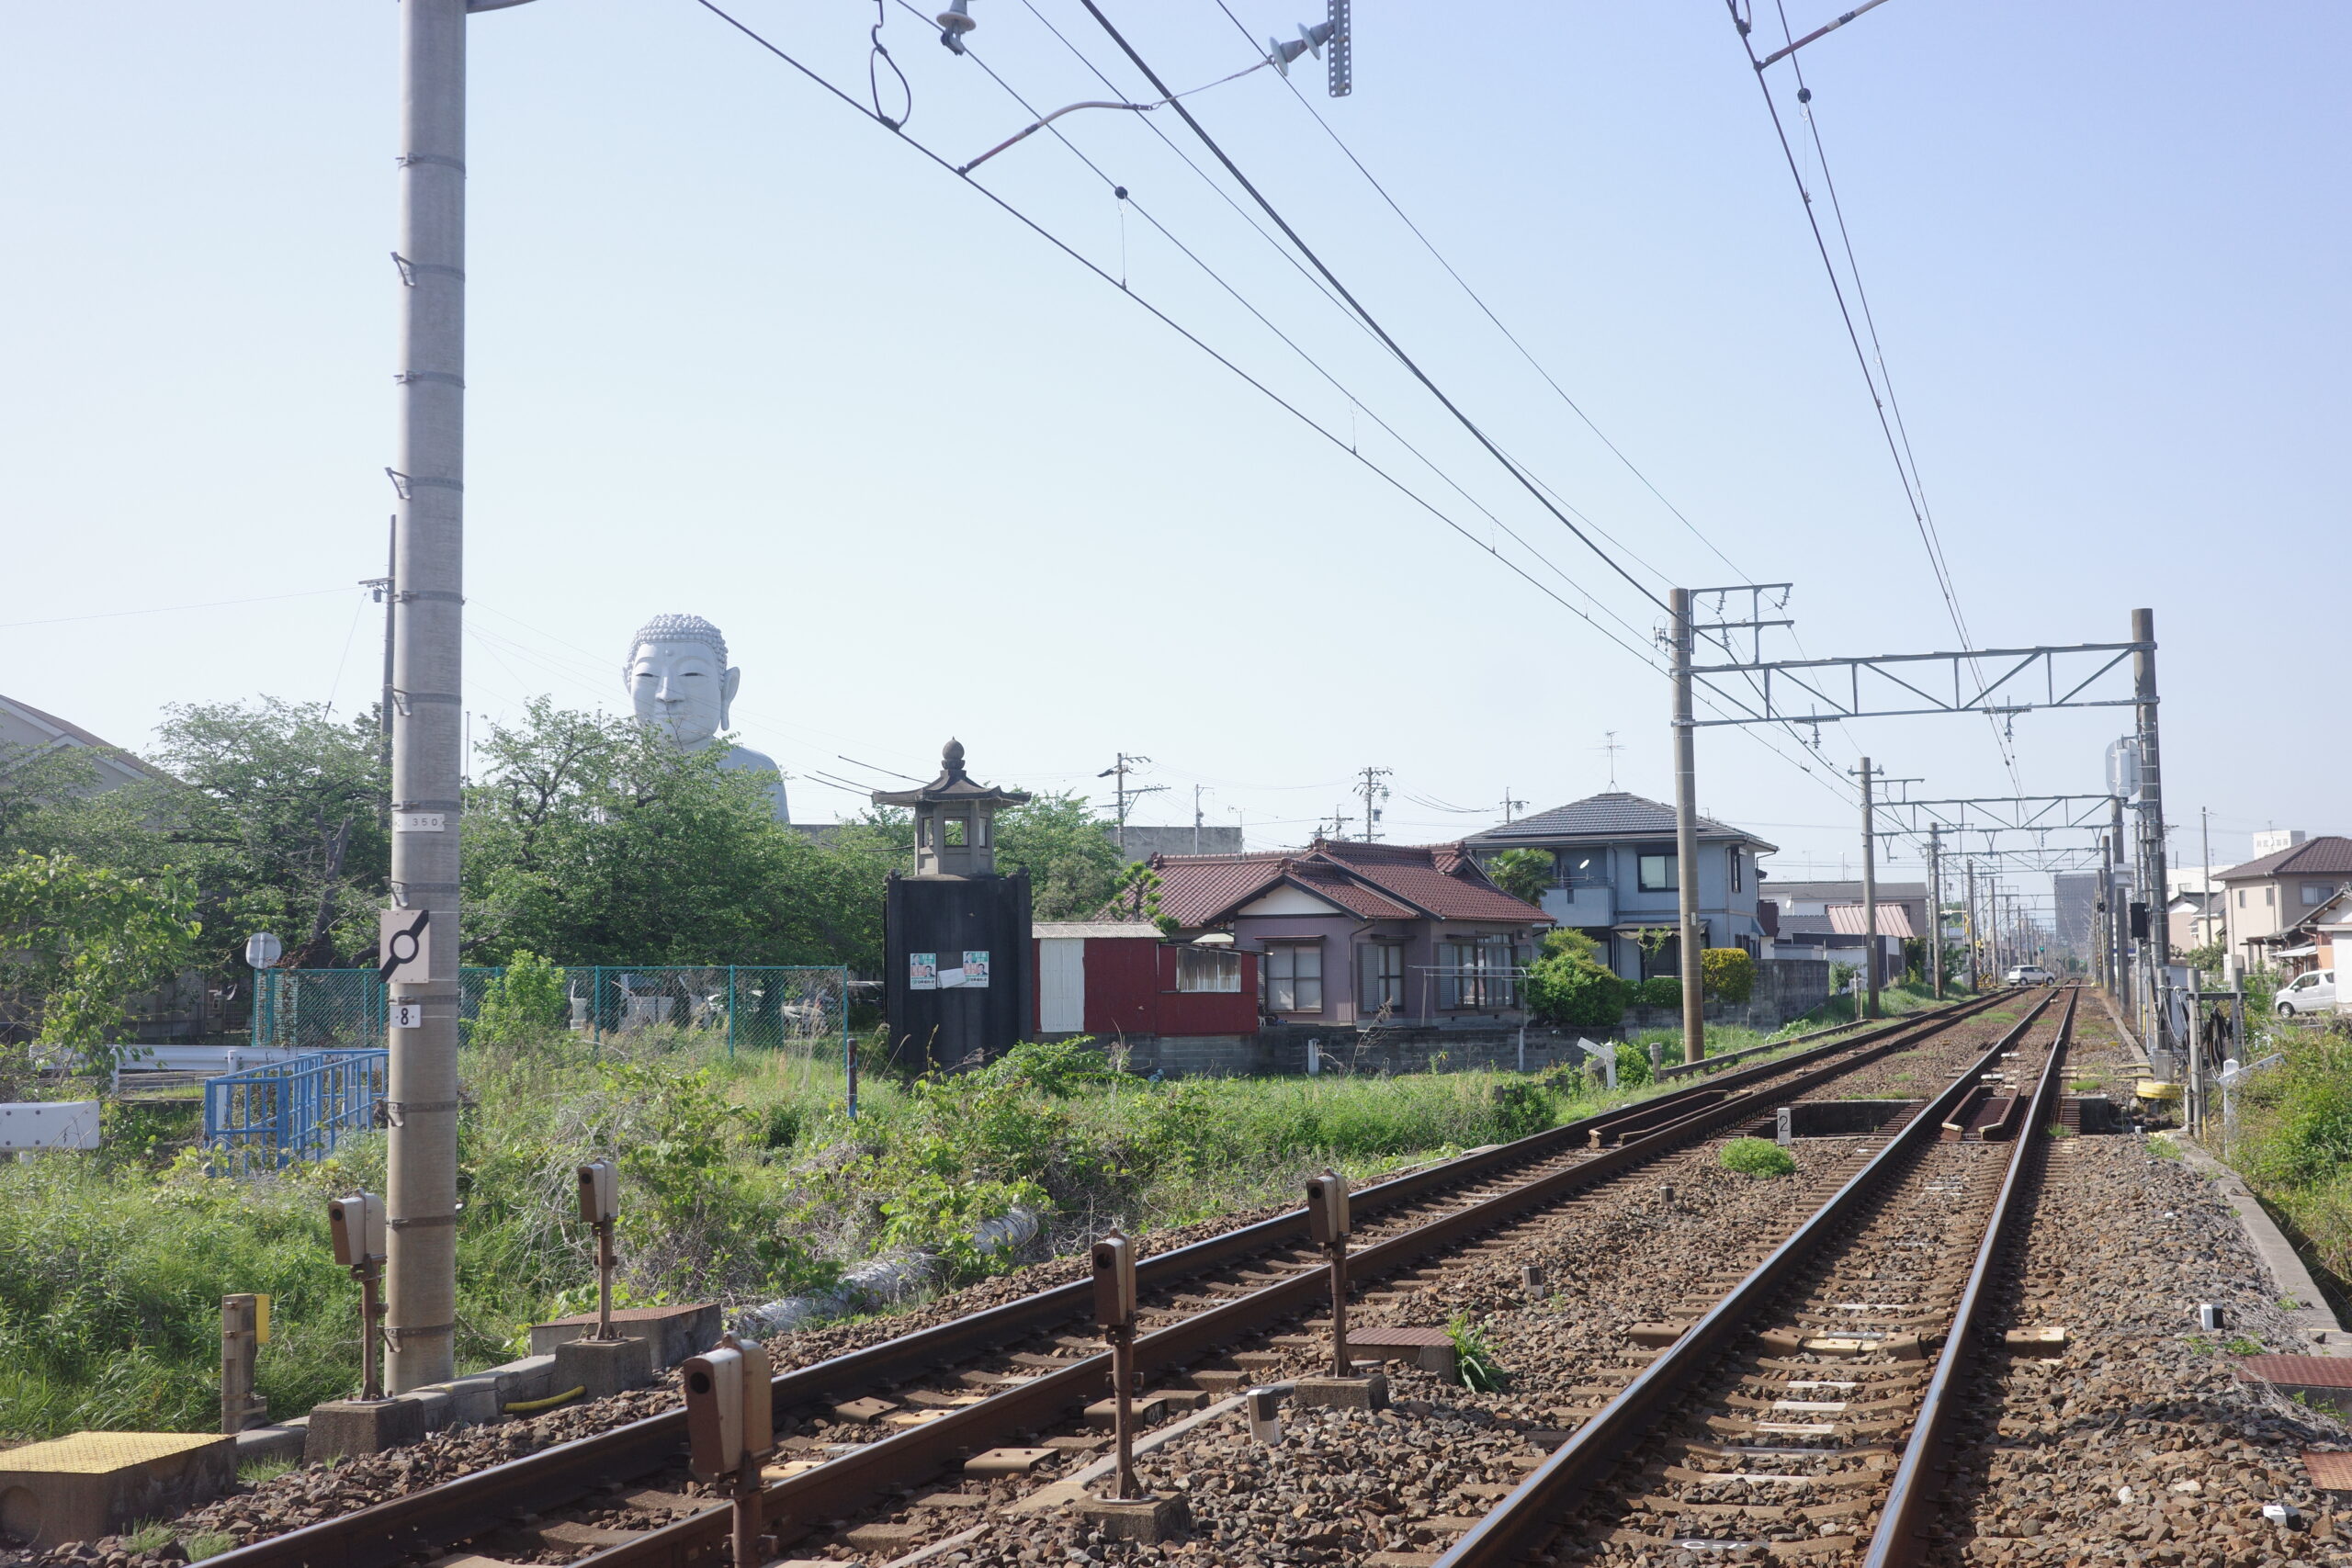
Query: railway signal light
(1327,1209)
(1114,1281)
(1327,1225)
(599,1207)
(355,1226)
(1115,1309)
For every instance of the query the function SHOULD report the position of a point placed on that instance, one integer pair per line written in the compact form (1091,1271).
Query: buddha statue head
(679,680)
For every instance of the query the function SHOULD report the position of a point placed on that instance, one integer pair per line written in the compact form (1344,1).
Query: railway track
(1801,1417)
(870,1425)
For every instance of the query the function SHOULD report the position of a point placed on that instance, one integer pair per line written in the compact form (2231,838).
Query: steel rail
(1901,1539)
(1522,1524)
(828,1490)
(433,1518)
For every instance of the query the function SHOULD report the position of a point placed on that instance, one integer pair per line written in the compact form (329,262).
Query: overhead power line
(1390,343)
(1277,398)
(1512,338)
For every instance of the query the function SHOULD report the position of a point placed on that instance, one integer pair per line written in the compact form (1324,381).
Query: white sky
(735,353)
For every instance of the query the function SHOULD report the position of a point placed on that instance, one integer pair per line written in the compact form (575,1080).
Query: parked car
(2029,975)
(2315,992)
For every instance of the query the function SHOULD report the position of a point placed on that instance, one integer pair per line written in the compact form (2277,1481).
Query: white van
(2315,992)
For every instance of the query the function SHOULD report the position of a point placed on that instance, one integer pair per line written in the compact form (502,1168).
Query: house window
(2241,897)
(1656,871)
(1291,976)
(1734,871)
(2316,893)
(2269,896)
(1582,868)
(1477,974)
(1208,969)
(1380,971)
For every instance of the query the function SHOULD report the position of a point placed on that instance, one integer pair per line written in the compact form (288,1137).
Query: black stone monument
(958,977)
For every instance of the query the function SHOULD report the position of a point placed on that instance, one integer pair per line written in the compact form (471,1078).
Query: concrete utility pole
(428,475)
(2151,809)
(1975,973)
(1691,927)
(1374,793)
(1936,909)
(2118,912)
(1869,891)
(2205,892)
(1196,820)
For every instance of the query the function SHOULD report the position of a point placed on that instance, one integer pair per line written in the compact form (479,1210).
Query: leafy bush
(1570,987)
(1659,991)
(1758,1156)
(528,999)
(1729,973)
(2303,1115)
(1056,1068)
(1632,1064)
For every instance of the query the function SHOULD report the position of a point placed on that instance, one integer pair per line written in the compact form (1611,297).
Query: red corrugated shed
(1129,987)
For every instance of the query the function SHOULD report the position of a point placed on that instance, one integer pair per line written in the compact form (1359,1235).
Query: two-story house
(2268,903)
(1615,877)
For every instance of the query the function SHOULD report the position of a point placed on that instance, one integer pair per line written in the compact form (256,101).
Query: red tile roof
(1374,882)
(1440,879)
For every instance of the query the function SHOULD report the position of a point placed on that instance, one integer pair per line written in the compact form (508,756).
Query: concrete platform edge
(2292,1281)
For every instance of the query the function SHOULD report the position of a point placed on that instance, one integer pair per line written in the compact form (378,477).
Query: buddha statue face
(679,681)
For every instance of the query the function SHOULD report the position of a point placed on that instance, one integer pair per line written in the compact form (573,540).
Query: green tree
(592,839)
(76,941)
(1569,985)
(1522,874)
(277,811)
(1058,839)
(527,999)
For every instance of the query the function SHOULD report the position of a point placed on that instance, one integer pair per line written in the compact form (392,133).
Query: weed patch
(1758,1156)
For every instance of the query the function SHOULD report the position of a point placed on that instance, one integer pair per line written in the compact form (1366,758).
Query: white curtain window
(1292,974)
(1208,969)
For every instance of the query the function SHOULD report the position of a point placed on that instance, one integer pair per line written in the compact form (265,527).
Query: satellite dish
(263,950)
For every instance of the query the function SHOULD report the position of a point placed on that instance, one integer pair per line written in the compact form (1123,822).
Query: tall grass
(2295,1139)
(743,1177)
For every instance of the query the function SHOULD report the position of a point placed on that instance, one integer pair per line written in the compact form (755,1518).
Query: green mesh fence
(800,1010)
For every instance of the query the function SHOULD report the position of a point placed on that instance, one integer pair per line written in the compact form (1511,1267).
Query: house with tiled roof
(1615,877)
(2268,903)
(1350,933)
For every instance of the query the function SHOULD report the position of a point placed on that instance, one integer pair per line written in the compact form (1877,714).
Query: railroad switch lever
(356,1225)
(1114,1310)
(1328,1226)
(730,1431)
(599,1207)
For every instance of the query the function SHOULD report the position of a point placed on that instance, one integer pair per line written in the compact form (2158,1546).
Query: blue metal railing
(264,1118)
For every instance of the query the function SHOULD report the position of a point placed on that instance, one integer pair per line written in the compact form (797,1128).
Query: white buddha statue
(680,682)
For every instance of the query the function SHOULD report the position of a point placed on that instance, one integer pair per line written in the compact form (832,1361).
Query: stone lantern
(959,967)
(955,818)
